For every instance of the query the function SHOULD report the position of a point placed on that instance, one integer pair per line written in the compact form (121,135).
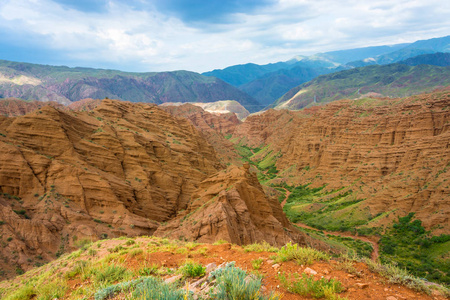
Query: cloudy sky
(201,35)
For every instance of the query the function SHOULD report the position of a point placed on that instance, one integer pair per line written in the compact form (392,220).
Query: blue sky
(202,35)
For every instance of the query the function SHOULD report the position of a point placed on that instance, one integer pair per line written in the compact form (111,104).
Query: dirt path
(375,252)
(287,196)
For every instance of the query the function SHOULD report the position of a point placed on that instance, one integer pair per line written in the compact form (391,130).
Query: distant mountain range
(267,83)
(402,79)
(254,86)
(65,85)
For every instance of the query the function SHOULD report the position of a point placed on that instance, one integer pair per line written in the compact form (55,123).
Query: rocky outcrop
(119,169)
(392,153)
(11,107)
(231,205)
(215,128)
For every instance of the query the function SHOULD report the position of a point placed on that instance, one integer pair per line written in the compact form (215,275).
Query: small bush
(135,252)
(151,286)
(397,275)
(148,270)
(24,293)
(260,247)
(256,263)
(109,291)
(307,286)
(52,290)
(110,274)
(220,242)
(234,283)
(303,256)
(192,270)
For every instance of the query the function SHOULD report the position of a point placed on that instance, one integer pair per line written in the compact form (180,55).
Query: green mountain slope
(393,80)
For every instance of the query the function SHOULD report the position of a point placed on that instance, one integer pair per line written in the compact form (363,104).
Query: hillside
(435,59)
(65,85)
(117,169)
(359,166)
(155,268)
(273,85)
(394,80)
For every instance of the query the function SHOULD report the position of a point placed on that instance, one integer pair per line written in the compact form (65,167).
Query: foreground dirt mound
(231,206)
(79,275)
(391,154)
(117,170)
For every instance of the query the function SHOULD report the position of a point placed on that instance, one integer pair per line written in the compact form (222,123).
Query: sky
(202,35)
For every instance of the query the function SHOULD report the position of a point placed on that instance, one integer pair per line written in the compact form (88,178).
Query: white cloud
(147,40)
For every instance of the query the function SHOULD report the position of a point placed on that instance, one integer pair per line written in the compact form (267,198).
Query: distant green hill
(393,80)
(435,59)
(64,85)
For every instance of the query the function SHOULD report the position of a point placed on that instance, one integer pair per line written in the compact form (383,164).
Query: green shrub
(303,256)
(148,270)
(80,267)
(257,263)
(153,288)
(53,290)
(24,293)
(192,270)
(397,275)
(260,247)
(110,274)
(108,292)
(307,286)
(234,283)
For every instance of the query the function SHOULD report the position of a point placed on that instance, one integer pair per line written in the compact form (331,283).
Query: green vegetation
(263,159)
(334,210)
(234,283)
(394,80)
(260,247)
(409,246)
(257,263)
(362,249)
(308,286)
(303,256)
(191,269)
(151,286)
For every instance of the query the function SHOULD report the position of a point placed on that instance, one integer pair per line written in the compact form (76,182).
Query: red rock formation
(119,169)
(231,205)
(214,126)
(392,152)
(17,107)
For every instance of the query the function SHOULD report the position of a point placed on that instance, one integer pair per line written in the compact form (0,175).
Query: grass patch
(303,256)
(409,246)
(307,286)
(191,269)
(260,247)
(257,263)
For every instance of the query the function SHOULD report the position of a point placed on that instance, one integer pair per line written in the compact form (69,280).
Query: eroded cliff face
(15,107)
(215,128)
(231,205)
(67,176)
(393,154)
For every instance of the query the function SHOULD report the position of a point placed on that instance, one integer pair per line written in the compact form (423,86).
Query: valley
(347,175)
